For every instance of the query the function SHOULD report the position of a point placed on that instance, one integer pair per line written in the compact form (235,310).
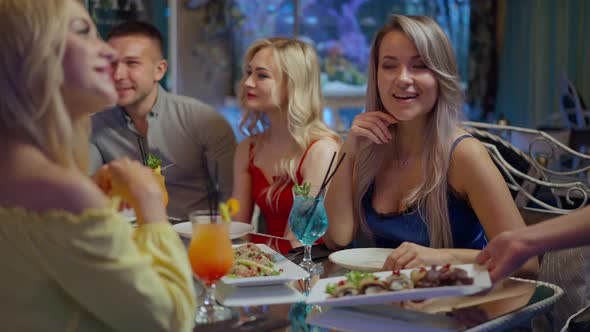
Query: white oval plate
(361,259)
(236,229)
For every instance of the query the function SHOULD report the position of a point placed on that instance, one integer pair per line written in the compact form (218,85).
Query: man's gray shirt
(182,131)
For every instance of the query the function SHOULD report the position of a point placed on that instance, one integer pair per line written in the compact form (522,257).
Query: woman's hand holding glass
(137,186)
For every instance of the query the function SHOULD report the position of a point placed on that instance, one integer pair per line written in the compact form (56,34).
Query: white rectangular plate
(481,281)
(291,271)
(231,296)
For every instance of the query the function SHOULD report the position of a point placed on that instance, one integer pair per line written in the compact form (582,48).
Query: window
(342,32)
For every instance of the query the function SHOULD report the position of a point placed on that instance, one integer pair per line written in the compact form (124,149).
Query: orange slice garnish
(233,206)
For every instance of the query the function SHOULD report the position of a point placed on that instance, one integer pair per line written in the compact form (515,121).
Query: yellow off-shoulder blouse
(92,272)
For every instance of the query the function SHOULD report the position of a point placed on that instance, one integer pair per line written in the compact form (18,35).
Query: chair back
(542,193)
(572,111)
(570,270)
(528,174)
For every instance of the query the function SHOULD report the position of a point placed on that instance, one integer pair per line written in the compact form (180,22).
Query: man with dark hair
(139,28)
(184,132)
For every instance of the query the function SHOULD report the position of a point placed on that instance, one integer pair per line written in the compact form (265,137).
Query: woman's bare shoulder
(324,145)
(244,145)
(467,150)
(471,160)
(319,155)
(242,155)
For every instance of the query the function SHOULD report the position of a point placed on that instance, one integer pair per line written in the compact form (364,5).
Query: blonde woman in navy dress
(413,179)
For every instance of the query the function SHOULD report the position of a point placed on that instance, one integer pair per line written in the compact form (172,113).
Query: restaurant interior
(525,75)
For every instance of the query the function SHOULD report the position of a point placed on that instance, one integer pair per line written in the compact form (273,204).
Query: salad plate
(286,271)
(479,275)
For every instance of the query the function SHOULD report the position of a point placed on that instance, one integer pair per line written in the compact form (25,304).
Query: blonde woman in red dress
(288,143)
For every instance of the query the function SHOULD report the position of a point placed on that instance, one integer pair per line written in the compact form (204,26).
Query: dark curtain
(483,59)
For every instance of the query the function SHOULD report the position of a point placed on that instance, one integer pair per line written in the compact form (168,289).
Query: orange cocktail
(211,256)
(162,182)
(210,251)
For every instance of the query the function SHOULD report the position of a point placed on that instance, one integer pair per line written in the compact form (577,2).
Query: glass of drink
(308,222)
(162,182)
(211,257)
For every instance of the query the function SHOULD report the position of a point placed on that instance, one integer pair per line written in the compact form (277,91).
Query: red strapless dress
(275,214)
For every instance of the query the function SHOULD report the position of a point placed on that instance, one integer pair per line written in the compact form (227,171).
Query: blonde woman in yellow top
(70,262)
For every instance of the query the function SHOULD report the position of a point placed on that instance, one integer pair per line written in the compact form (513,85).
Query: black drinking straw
(216,190)
(327,172)
(334,172)
(209,186)
(325,182)
(142,151)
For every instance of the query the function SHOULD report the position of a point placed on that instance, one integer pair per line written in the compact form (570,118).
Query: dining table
(510,305)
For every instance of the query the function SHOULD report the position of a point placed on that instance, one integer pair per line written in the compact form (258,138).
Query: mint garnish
(153,161)
(302,190)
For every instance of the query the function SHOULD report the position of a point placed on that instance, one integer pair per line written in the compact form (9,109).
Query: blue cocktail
(308,222)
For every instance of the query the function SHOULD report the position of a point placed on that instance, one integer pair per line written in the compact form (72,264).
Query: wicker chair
(571,106)
(527,175)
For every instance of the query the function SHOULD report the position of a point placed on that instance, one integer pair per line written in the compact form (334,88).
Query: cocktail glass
(308,222)
(162,182)
(211,257)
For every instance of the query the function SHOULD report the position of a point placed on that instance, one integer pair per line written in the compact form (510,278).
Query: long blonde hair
(298,66)
(33,40)
(430,195)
